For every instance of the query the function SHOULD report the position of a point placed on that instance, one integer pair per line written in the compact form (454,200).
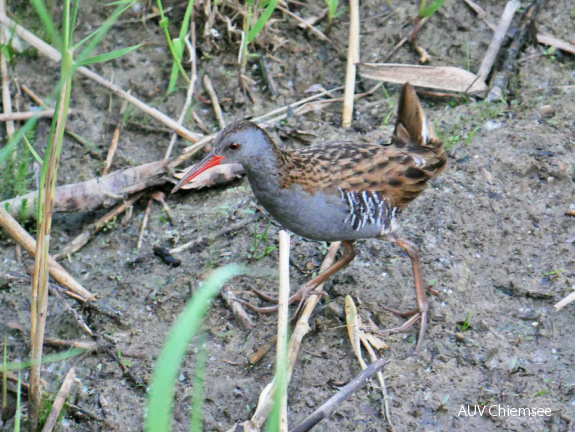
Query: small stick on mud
(58,272)
(215,102)
(481,14)
(77,316)
(335,401)
(237,309)
(561,304)
(144,224)
(11,117)
(210,237)
(497,41)
(352,60)
(161,198)
(309,26)
(59,401)
(501,79)
(115,138)
(91,230)
(256,357)
(61,343)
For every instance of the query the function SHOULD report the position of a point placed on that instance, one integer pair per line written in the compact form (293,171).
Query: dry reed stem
(191,86)
(115,138)
(561,304)
(215,102)
(265,402)
(53,54)
(497,40)
(39,296)
(352,60)
(59,401)
(58,272)
(144,224)
(11,117)
(6,97)
(283,321)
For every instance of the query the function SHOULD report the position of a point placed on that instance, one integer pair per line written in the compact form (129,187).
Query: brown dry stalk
(6,97)
(115,138)
(352,60)
(215,102)
(59,401)
(11,117)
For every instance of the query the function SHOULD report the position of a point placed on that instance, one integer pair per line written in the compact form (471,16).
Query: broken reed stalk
(265,402)
(115,138)
(282,334)
(6,97)
(39,300)
(215,102)
(59,401)
(497,40)
(352,60)
(11,117)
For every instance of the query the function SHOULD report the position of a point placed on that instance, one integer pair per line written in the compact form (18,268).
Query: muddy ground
(495,240)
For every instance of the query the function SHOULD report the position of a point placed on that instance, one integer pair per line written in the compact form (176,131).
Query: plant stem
(45,200)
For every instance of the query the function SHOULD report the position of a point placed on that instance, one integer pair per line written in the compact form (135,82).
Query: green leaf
(109,56)
(160,398)
(262,20)
(46,20)
(427,11)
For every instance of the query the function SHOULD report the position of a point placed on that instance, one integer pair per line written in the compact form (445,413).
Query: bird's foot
(300,295)
(412,317)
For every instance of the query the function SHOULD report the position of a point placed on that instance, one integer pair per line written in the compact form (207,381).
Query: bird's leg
(305,290)
(422,304)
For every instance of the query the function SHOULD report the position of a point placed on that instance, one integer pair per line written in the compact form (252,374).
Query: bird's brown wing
(396,175)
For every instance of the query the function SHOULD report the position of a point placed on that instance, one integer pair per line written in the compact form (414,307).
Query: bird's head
(236,143)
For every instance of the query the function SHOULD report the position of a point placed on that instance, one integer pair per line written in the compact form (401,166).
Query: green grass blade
(197,411)
(7,151)
(427,11)
(52,358)
(36,155)
(262,20)
(47,23)
(18,414)
(110,55)
(159,405)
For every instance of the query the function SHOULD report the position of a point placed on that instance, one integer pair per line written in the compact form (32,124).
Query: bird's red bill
(207,163)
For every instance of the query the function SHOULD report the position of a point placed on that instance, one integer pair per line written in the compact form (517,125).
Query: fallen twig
(83,238)
(559,44)
(561,304)
(115,138)
(210,237)
(215,102)
(328,407)
(59,401)
(497,40)
(237,309)
(26,115)
(501,79)
(58,272)
(6,97)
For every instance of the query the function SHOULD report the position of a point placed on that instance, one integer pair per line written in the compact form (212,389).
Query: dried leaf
(353,331)
(217,175)
(374,341)
(435,77)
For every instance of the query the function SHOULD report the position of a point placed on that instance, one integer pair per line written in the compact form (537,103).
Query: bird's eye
(234,146)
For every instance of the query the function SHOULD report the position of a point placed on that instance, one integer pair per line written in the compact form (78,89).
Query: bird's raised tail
(413,132)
